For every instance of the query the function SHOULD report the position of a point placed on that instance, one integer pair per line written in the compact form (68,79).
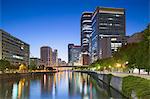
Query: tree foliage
(22,67)
(4,64)
(32,66)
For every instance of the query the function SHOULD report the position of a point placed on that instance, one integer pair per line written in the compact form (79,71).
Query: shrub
(139,85)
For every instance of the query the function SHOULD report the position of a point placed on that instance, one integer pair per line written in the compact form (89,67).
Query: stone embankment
(20,75)
(110,80)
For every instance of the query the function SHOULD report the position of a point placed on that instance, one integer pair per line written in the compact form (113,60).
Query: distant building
(86,30)
(13,49)
(61,62)
(108,32)
(55,58)
(46,55)
(135,38)
(74,52)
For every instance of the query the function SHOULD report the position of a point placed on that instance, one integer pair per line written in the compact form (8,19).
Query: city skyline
(57,27)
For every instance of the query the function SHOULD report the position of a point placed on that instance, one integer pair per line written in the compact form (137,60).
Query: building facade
(46,55)
(74,54)
(13,49)
(86,30)
(55,58)
(108,32)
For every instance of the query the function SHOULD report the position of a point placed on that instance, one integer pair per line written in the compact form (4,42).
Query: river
(61,85)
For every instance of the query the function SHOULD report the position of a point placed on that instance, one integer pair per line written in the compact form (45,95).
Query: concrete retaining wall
(115,82)
(18,75)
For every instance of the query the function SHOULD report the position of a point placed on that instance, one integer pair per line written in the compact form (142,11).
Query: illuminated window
(117,24)
(117,15)
(103,24)
(113,39)
(110,18)
(103,28)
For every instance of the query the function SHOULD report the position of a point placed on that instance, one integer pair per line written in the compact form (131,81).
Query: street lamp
(118,65)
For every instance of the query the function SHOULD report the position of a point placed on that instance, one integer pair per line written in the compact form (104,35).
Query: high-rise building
(55,58)
(74,52)
(86,30)
(46,55)
(108,32)
(13,49)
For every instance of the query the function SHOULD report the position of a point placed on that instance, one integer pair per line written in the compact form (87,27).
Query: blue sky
(57,22)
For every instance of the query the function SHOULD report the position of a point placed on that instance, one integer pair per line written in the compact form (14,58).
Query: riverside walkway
(121,74)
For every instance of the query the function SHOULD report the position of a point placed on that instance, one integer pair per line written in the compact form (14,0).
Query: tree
(145,45)
(22,67)
(32,66)
(4,64)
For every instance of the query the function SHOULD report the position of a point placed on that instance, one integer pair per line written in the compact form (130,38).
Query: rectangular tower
(74,54)
(107,23)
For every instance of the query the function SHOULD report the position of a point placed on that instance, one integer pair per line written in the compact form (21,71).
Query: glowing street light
(109,66)
(118,65)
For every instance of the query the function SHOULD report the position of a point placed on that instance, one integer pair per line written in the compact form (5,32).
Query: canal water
(61,85)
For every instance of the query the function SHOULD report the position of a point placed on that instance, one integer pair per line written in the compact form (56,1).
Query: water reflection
(66,85)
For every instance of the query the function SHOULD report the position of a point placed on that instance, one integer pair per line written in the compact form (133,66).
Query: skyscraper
(108,32)
(46,55)
(13,49)
(74,52)
(55,58)
(86,30)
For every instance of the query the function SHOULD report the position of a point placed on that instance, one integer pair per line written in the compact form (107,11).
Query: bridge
(64,67)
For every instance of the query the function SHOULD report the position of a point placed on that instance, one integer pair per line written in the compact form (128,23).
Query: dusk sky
(57,22)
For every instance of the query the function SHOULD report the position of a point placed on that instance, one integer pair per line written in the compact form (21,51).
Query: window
(103,24)
(117,15)
(103,28)
(110,18)
(113,39)
(117,24)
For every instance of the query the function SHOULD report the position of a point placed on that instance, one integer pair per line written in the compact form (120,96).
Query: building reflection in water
(66,85)
(47,85)
(21,90)
(83,85)
(6,88)
(79,86)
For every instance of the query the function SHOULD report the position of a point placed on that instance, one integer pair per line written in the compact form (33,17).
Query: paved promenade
(121,74)
(127,74)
